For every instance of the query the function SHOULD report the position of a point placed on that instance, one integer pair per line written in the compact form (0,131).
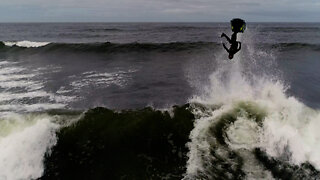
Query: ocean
(159,101)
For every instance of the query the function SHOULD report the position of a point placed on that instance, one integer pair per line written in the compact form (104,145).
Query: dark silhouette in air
(237,25)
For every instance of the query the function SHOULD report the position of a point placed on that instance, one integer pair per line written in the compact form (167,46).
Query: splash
(245,111)
(24,140)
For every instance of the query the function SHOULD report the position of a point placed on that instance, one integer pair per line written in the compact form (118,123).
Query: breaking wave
(247,127)
(24,141)
(26,44)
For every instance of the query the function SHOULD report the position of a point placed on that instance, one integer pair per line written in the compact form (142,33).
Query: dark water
(52,73)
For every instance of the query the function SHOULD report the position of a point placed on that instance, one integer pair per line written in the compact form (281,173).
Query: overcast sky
(158,10)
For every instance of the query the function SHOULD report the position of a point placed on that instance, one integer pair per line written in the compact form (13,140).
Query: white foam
(6,62)
(7,96)
(9,78)
(20,83)
(15,96)
(243,134)
(100,75)
(288,129)
(27,44)
(293,126)
(93,78)
(10,70)
(63,90)
(13,77)
(31,107)
(285,125)
(24,139)
(62,99)
(23,145)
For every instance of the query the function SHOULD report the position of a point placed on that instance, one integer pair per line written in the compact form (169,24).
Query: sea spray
(24,140)
(245,108)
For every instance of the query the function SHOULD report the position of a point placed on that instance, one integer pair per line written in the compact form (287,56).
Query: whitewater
(26,133)
(245,109)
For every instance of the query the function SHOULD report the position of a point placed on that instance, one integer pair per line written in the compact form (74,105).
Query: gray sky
(158,10)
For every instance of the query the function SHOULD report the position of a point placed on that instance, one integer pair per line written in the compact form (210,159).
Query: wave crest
(26,44)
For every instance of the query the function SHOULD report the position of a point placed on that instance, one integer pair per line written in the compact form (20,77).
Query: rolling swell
(139,144)
(113,47)
(141,47)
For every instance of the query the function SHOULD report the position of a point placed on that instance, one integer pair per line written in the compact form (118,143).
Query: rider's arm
(228,39)
(225,48)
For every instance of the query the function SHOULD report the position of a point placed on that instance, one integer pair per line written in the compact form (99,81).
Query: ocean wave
(247,127)
(24,141)
(139,144)
(130,47)
(26,44)
(114,47)
(142,47)
(135,144)
(231,140)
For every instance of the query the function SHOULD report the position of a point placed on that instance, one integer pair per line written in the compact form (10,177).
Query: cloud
(158,10)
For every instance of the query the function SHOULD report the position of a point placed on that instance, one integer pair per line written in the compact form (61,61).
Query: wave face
(105,144)
(248,127)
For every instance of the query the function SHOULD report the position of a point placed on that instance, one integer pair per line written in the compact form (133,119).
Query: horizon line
(157,22)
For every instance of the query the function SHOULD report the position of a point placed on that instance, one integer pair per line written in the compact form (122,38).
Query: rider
(234,44)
